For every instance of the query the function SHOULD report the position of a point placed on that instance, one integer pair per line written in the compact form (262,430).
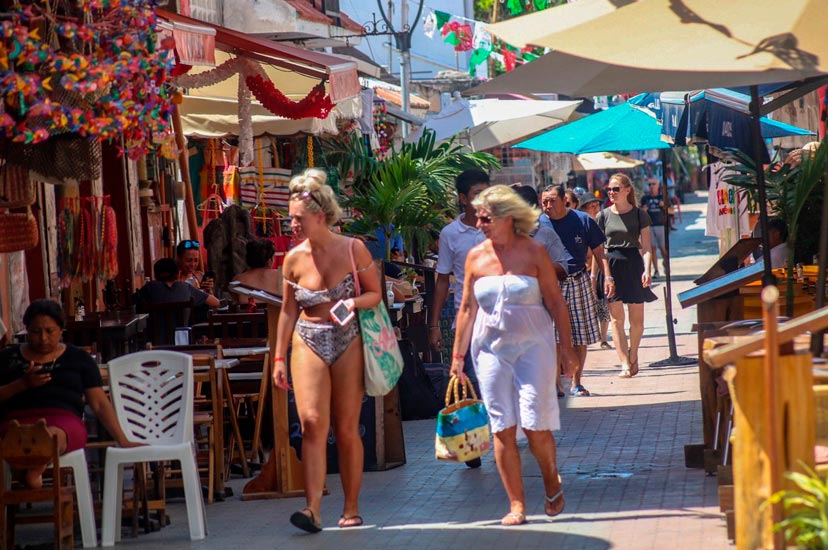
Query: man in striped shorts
(579,233)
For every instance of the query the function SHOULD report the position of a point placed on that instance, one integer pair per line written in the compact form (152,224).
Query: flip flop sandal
(350,521)
(579,391)
(306,522)
(512,519)
(625,372)
(605,345)
(551,501)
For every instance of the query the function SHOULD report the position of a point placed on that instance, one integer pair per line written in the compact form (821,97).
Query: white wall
(428,56)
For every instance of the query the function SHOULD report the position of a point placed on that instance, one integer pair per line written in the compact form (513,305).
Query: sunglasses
(305,195)
(485,220)
(191,244)
(614,189)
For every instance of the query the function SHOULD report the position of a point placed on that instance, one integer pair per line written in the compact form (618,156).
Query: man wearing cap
(579,234)
(653,204)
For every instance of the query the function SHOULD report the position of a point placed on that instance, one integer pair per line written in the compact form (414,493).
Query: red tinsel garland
(316,104)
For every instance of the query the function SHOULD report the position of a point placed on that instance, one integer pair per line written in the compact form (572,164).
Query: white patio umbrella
(604,161)
(486,123)
(662,45)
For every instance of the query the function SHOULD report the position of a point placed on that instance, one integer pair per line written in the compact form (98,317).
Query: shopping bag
(381,352)
(462,426)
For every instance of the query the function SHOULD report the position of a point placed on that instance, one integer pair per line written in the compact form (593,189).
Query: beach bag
(462,426)
(382,357)
(16,190)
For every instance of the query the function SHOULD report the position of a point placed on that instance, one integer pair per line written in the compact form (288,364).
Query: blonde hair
(502,201)
(310,188)
(625,182)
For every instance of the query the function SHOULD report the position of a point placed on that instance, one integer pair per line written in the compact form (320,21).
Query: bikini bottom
(327,340)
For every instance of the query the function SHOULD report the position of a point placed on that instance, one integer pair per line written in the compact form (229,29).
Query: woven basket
(16,190)
(60,157)
(18,232)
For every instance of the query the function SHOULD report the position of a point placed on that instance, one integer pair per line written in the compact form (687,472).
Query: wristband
(457,356)
(277,359)
(609,279)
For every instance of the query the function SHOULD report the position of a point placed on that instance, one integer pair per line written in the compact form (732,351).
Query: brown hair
(625,182)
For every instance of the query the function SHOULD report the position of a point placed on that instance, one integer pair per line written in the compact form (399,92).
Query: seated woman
(260,273)
(47,379)
(187,255)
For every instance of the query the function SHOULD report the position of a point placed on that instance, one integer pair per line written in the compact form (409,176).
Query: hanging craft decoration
(316,104)
(96,68)
(87,231)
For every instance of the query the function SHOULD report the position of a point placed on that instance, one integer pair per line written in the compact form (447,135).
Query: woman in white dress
(510,298)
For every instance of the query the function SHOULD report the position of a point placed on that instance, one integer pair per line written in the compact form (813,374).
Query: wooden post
(184,166)
(770,318)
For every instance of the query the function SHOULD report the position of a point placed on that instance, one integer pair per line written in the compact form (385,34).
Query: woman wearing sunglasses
(187,254)
(510,298)
(326,364)
(627,229)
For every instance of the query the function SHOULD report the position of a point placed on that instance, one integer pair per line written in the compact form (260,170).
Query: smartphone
(340,313)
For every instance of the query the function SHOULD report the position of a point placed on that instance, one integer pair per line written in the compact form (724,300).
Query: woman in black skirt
(627,229)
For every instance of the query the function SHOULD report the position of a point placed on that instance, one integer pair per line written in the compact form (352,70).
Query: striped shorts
(580,301)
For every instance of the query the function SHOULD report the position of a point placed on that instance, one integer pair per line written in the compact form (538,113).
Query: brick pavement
(620,453)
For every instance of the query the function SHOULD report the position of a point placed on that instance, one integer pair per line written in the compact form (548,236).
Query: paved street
(620,455)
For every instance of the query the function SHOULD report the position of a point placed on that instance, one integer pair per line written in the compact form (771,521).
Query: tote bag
(463,426)
(382,357)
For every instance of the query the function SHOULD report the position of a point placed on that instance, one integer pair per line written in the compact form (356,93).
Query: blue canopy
(656,121)
(624,127)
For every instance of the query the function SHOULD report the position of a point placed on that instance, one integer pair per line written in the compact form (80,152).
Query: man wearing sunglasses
(579,234)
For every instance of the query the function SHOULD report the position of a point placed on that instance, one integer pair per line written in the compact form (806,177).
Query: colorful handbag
(383,360)
(463,426)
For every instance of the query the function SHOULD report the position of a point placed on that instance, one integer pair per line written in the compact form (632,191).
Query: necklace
(51,366)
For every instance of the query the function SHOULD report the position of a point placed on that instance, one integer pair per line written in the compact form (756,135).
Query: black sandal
(306,522)
(344,521)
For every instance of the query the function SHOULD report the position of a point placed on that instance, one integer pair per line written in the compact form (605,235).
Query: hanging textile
(272,183)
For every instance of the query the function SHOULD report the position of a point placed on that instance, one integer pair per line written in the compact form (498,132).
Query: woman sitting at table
(326,361)
(260,273)
(46,379)
(187,255)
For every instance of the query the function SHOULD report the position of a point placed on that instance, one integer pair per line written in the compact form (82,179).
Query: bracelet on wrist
(609,279)
(277,359)
(457,356)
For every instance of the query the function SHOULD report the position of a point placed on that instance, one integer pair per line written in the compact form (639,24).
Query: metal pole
(674,359)
(756,131)
(405,64)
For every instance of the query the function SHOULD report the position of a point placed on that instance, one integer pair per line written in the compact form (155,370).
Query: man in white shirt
(456,239)
(778,240)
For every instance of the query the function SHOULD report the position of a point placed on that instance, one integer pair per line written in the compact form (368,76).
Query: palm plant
(806,510)
(789,189)
(410,192)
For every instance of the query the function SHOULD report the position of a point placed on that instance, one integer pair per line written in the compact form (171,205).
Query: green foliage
(789,189)
(806,510)
(412,189)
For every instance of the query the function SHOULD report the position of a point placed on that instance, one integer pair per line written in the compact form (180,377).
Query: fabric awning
(294,71)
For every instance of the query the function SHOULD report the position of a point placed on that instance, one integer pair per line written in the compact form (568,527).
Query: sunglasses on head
(191,244)
(614,189)
(485,219)
(305,195)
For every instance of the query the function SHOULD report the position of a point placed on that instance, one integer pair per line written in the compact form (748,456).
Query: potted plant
(806,510)
(410,192)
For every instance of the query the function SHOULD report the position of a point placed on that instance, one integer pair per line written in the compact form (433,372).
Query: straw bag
(18,232)
(383,360)
(16,190)
(463,426)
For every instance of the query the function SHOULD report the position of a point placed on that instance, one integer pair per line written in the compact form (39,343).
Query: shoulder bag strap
(357,289)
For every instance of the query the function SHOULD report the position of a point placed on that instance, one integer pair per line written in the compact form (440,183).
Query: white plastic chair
(152,392)
(86,511)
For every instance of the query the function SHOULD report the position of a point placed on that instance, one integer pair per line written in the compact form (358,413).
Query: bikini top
(308,298)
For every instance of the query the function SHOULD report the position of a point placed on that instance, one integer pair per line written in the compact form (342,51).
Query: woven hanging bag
(16,189)
(18,232)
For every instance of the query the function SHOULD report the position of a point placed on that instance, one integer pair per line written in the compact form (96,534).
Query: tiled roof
(305,10)
(350,24)
(396,98)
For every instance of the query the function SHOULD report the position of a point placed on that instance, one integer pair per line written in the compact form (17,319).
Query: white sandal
(625,371)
